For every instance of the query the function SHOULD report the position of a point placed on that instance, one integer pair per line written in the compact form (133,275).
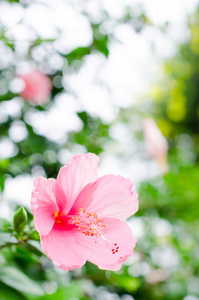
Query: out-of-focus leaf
(78,53)
(2,180)
(72,291)
(58,295)
(19,281)
(100,41)
(6,293)
(93,135)
(4,163)
(125,282)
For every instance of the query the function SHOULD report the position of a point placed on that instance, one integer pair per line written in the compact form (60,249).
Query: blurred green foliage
(176,105)
(166,260)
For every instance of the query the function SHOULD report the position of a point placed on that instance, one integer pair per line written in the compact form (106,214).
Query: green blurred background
(112,64)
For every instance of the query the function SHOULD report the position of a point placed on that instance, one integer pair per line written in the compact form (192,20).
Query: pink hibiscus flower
(37,88)
(80,216)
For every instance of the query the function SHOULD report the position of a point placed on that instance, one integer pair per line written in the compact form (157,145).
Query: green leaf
(75,290)
(34,235)
(6,293)
(124,282)
(77,54)
(19,281)
(20,219)
(2,181)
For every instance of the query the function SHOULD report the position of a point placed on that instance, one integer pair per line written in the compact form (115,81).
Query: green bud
(20,219)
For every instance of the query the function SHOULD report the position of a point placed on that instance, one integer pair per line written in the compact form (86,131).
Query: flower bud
(20,220)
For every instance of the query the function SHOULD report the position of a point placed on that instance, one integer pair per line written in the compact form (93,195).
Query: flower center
(60,219)
(89,224)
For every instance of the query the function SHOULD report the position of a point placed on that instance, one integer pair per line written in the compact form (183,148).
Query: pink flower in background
(37,88)
(80,216)
(156,144)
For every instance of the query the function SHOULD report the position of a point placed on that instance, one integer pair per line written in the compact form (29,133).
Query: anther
(89,224)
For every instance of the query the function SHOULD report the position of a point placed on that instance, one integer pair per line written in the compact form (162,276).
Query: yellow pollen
(56,215)
(89,223)
(59,218)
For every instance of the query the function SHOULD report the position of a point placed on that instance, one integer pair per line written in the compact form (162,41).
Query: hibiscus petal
(73,177)
(110,196)
(62,248)
(100,253)
(43,204)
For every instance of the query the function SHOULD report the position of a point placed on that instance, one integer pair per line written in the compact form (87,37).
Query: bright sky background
(102,85)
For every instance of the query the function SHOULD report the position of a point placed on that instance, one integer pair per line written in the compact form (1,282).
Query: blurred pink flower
(80,216)
(37,88)
(156,144)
